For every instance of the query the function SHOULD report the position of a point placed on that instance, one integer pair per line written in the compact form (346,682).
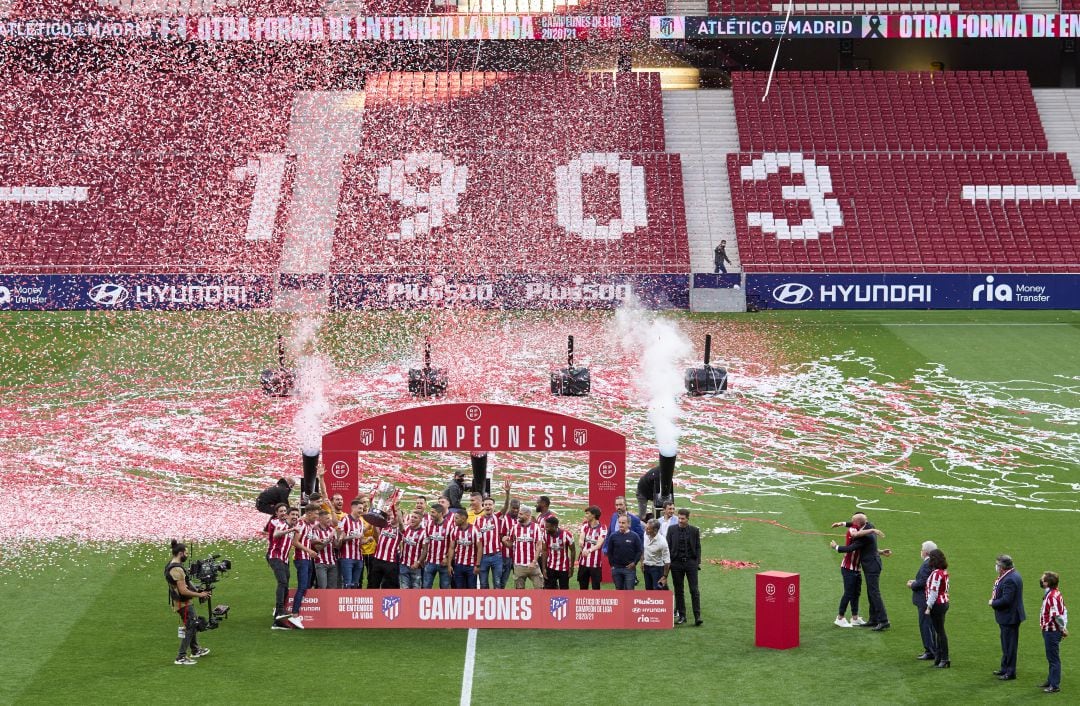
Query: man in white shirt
(667,518)
(657,558)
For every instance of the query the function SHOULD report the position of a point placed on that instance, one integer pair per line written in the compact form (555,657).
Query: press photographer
(181,592)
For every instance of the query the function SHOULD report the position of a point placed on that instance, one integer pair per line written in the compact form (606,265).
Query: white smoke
(661,348)
(314,375)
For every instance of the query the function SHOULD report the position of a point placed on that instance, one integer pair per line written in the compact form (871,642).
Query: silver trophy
(383,498)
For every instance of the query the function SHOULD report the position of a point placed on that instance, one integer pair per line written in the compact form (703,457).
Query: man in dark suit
(864,540)
(1008,605)
(918,598)
(684,543)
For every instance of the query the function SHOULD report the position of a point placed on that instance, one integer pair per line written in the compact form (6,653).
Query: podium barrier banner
(777,610)
(545,610)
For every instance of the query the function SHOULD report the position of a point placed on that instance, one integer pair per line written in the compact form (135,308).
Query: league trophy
(384,497)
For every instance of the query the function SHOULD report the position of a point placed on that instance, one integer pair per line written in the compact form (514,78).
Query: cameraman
(180,595)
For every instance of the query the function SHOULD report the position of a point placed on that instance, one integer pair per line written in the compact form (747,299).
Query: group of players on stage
(463,547)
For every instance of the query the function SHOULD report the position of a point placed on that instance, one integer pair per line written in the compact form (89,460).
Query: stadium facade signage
(905,26)
(135,291)
(544,610)
(915,291)
(308,29)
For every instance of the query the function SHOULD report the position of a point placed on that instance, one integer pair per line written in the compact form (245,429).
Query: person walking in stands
(720,258)
(937,604)
(1007,600)
(918,598)
(1054,621)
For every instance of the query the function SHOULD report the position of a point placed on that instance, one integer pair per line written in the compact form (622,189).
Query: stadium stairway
(1038,7)
(700,126)
(1059,110)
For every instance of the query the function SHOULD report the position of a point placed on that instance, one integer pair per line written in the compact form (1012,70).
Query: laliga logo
(606,470)
(5,295)
(472,413)
(790,589)
(109,294)
(339,470)
(770,589)
(793,293)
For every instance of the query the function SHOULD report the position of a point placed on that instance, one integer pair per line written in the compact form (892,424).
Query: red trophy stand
(777,625)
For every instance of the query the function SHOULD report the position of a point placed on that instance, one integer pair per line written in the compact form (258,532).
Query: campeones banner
(295,28)
(551,610)
(959,26)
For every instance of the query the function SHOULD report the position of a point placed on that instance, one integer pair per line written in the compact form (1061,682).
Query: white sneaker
(841,623)
(185,661)
(855,622)
(201,652)
(275,626)
(297,621)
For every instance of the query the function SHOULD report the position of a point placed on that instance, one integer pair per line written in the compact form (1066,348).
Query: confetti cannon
(480,481)
(428,381)
(708,379)
(571,381)
(279,382)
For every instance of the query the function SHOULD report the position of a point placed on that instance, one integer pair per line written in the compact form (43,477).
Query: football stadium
(471,336)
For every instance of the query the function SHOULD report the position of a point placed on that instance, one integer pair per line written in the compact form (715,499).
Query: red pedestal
(777,610)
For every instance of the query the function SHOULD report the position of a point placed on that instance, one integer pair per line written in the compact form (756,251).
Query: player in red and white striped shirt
(350,552)
(412,551)
(463,551)
(323,539)
(435,548)
(849,572)
(280,534)
(1054,621)
(489,524)
(524,540)
(303,559)
(384,566)
(593,534)
(937,603)
(557,554)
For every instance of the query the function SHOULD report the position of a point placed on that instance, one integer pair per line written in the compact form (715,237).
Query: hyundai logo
(5,295)
(109,294)
(793,293)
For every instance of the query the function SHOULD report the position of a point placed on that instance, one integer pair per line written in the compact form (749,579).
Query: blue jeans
(464,576)
(305,572)
(653,574)
(429,575)
(507,569)
(624,578)
(1052,642)
(352,573)
(493,562)
(409,578)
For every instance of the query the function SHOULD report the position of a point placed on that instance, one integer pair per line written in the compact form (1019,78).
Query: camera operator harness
(207,571)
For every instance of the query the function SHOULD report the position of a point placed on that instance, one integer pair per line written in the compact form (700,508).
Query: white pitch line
(470,664)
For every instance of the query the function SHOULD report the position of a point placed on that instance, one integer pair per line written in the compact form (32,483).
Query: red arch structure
(471,427)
